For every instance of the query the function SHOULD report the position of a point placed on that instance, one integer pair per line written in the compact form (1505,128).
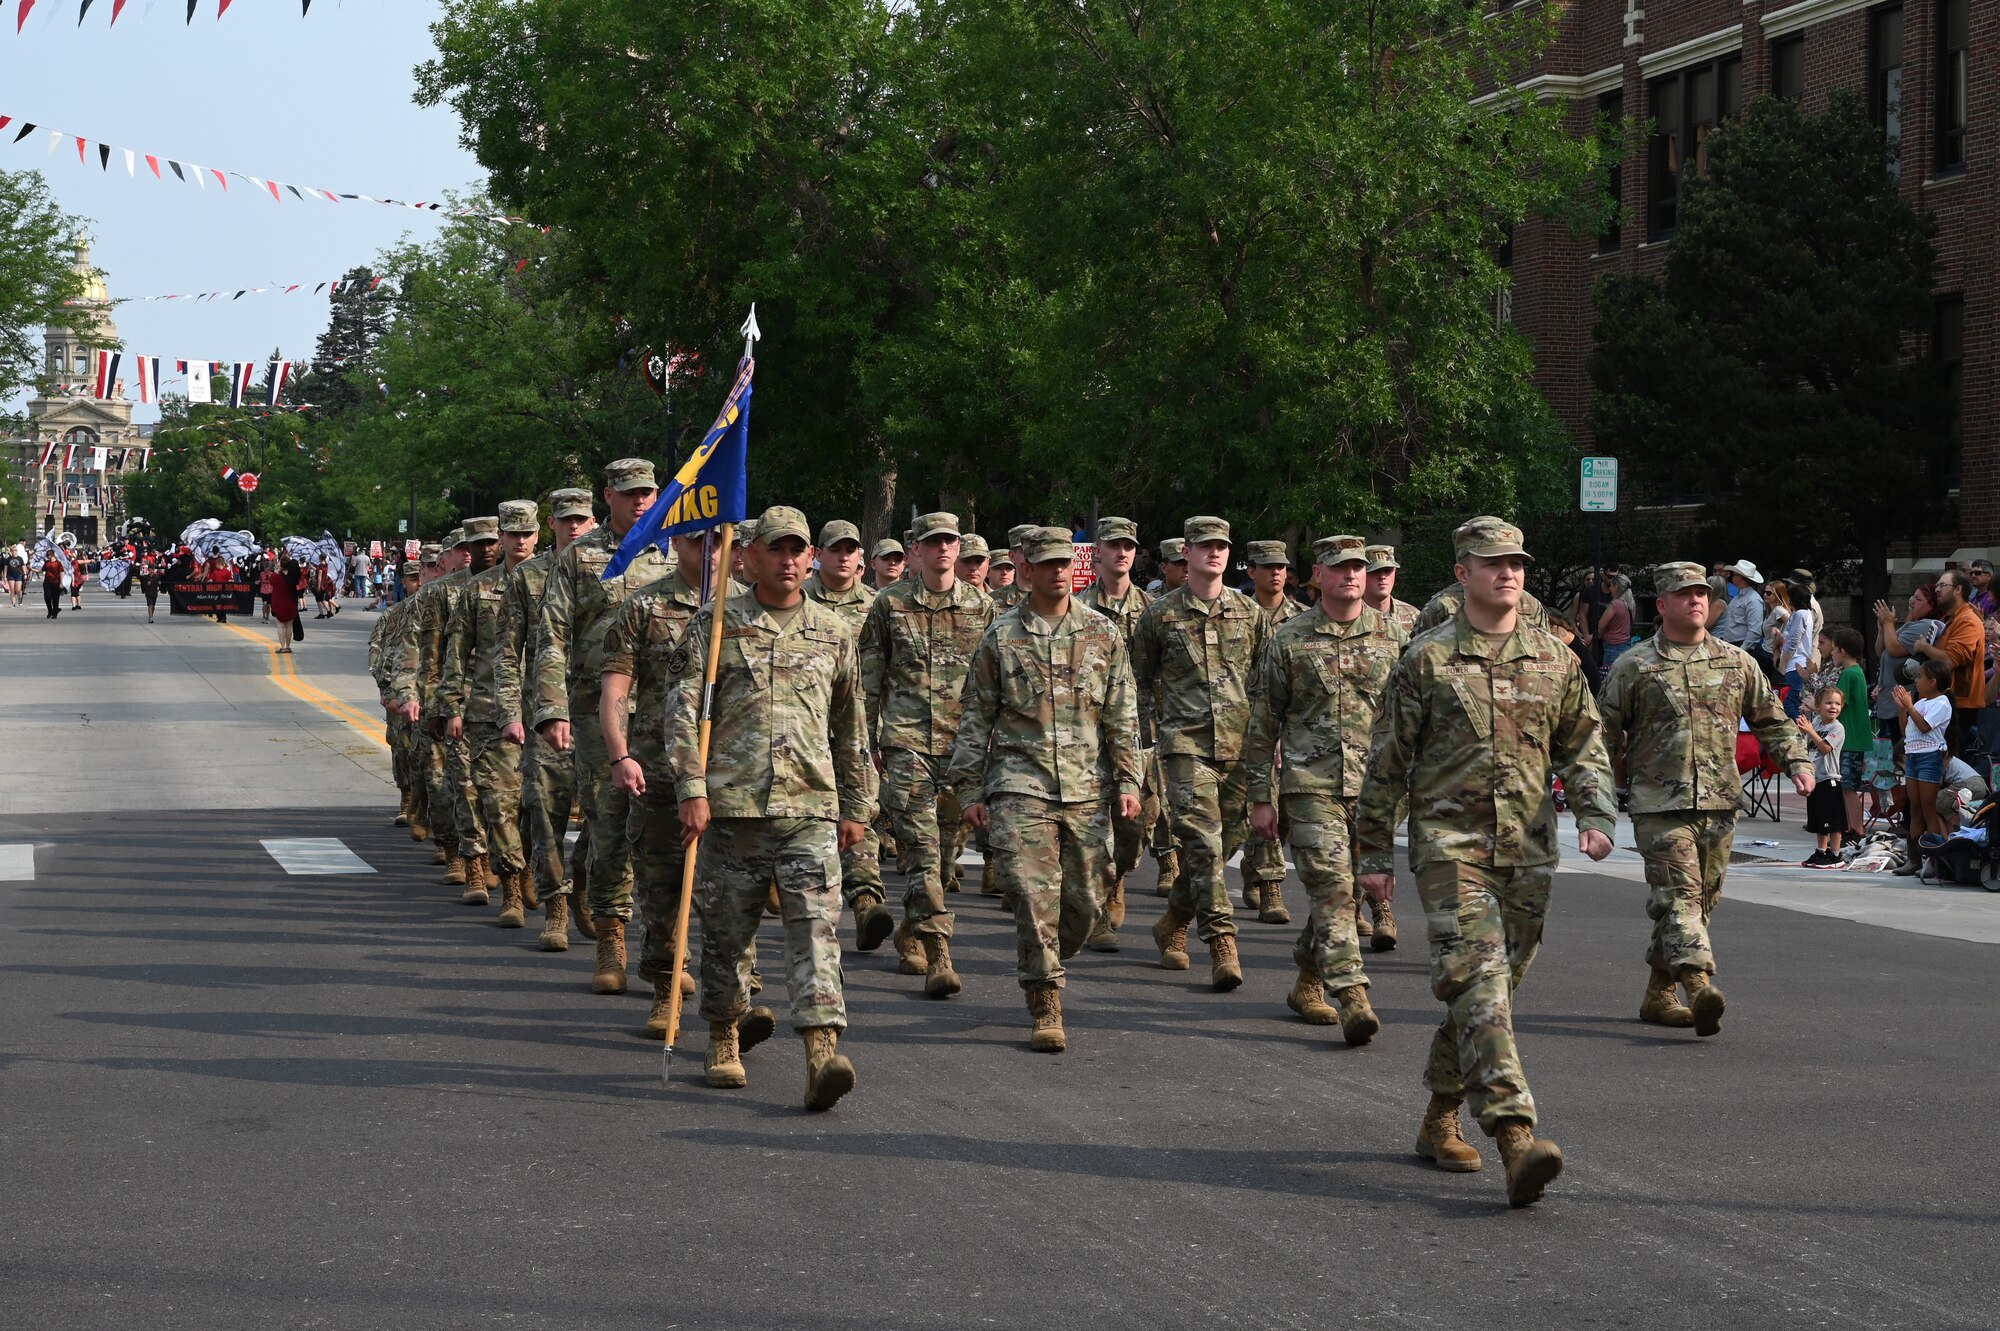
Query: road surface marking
(17,862)
(285,674)
(316,855)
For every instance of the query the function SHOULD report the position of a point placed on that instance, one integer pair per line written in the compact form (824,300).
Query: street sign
(247,482)
(1597,492)
(1083,569)
(402,526)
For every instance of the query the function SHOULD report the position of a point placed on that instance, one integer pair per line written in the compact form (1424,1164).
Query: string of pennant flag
(27,7)
(198,175)
(331,288)
(105,383)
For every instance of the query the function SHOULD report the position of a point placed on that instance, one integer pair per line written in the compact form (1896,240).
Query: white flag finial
(751,332)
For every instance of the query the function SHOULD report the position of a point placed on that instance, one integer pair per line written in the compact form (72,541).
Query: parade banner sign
(212,598)
(1083,569)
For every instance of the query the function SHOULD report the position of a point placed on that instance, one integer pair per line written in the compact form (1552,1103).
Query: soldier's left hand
(850,834)
(1264,821)
(455,728)
(1128,807)
(975,816)
(1803,783)
(1594,844)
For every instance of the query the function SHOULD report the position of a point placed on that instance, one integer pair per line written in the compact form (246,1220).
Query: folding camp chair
(1761,791)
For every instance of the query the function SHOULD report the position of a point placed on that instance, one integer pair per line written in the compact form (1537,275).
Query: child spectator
(1925,717)
(1852,682)
(1826,810)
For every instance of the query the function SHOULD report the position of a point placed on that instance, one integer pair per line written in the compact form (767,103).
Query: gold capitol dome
(94,292)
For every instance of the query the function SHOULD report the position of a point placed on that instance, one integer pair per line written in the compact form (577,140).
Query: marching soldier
(471,703)
(1447,603)
(1166,850)
(399,671)
(1264,864)
(786,787)
(1114,596)
(1048,708)
(1193,656)
(973,560)
(1173,564)
(1000,573)
(1381,593)
(577,606)
(837,585)
(478,539)
(1480,712)
(449,816)
(1318,694)
(1672,708)
(383,656)
(548,775)
(1007,594)
(916,645)
(885,563)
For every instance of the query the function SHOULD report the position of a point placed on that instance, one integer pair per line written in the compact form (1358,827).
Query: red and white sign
(374,549)
(1083,569)
(411,549)
(247,482)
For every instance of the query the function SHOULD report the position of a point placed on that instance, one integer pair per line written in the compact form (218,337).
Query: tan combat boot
(1705,1000)
(772,906)
(454,868)
(1385,926)
(489,875)
(1170,869)
(474,882)
(530,899)
(1440,1141)
(513,908)
(610,976)
(1308,999)
(1114,903)
(402,818)
(555,924)
(687,985)
(1271,904)
(1532,1162)
(752,1029)
(440,854)
(1362,928)
(1225,972)
(723,1067)
(940,980)
(1358,1022)
(828,1074)
(872,923)
(909,950)
(420,826)
(1104,929)
(579,910)
(1170,936)
(1662,1004)
(987,886)
(1045,1032)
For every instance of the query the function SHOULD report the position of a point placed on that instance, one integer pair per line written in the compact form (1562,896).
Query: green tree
(1779,364)
(38,275)
(339,377)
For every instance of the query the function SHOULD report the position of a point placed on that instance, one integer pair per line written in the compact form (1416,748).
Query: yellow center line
(284,673)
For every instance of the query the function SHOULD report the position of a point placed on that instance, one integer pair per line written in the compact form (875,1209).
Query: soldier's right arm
(684,708)
(1270,699)
(1146,667)
(876,643)
(451,686)
(1398,732)
(1615,707)
(515,621)
(550,689)
(967,772)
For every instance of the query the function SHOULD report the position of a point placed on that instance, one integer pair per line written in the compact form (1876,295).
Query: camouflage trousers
(496,776)
(912,789)
(402,753)
(659,862)
(604,811)
(437,792)
(548,790)
(1207,800)
(1485,926)
(1264,861)
(861,870)
(1686,857)
(738,860)
(1129,835)
(1321,831)
(1050,864)
(451,790)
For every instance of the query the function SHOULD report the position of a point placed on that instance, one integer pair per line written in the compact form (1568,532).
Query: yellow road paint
(285,674)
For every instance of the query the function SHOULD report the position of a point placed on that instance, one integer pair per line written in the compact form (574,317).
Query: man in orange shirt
(1962,646)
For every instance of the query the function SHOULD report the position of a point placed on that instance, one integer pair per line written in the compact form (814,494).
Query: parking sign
(1597,491)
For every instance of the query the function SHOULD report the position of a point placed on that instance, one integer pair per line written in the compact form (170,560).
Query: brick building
(1931,71)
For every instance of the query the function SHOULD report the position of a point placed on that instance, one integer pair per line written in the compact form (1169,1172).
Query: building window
(1788,69)
(1953,21)
(1948,349)
(1885,77)
(1687,105)
(1611,121)
(1504,254)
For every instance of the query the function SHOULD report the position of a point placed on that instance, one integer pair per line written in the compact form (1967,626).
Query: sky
(323,100)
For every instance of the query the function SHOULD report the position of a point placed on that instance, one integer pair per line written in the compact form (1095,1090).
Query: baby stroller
(1967,856)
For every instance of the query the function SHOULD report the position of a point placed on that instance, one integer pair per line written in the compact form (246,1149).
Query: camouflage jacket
(433,614)
(1194,665)
(1404,614)
(398,669)
(1472,732)
(1440,608)
(576,609)
(851,605)
(520,609)
(916,646)
(1670,719)
(472,649)
(1006,598)
(789,733)
(1049,711)
(643,635)
(376,637)
(1319,693)
(1289,608)
(385,647)
(1124,611)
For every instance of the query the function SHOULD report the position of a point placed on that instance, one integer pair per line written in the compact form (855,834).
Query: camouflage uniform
(577,606)
(1471,729)
(1049,712)
(1264,866)
(1671,713)
(788,757)
(386,645)
(861,867)
(1447,603)
(468,690)
(1319,694)
(1006,598)
(915,647)
(1194,663)
(548,774)
(447,763)
(1128,834)
(1167,857)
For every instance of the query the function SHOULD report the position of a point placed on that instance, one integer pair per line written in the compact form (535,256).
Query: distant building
(76,452)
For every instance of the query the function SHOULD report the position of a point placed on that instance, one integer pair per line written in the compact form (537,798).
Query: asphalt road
(231,1096)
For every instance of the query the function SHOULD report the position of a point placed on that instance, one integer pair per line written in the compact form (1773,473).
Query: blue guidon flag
(711,487)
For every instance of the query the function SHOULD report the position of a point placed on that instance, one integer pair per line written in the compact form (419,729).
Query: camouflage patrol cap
(741,533)
(886,546)
(1197,530)
(1265,553)
(1019,533)
(782,520)
(431,552)
(973,546)
(478,530)
(1488,538)
(570,503)
(520,515)
(1380,557)
(1173,550)
(630,474)
(454,538)
(1117,529)
(833,533)
(1046,544)
(1678,575)
(934,524)
(412,569)
(1340,550)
